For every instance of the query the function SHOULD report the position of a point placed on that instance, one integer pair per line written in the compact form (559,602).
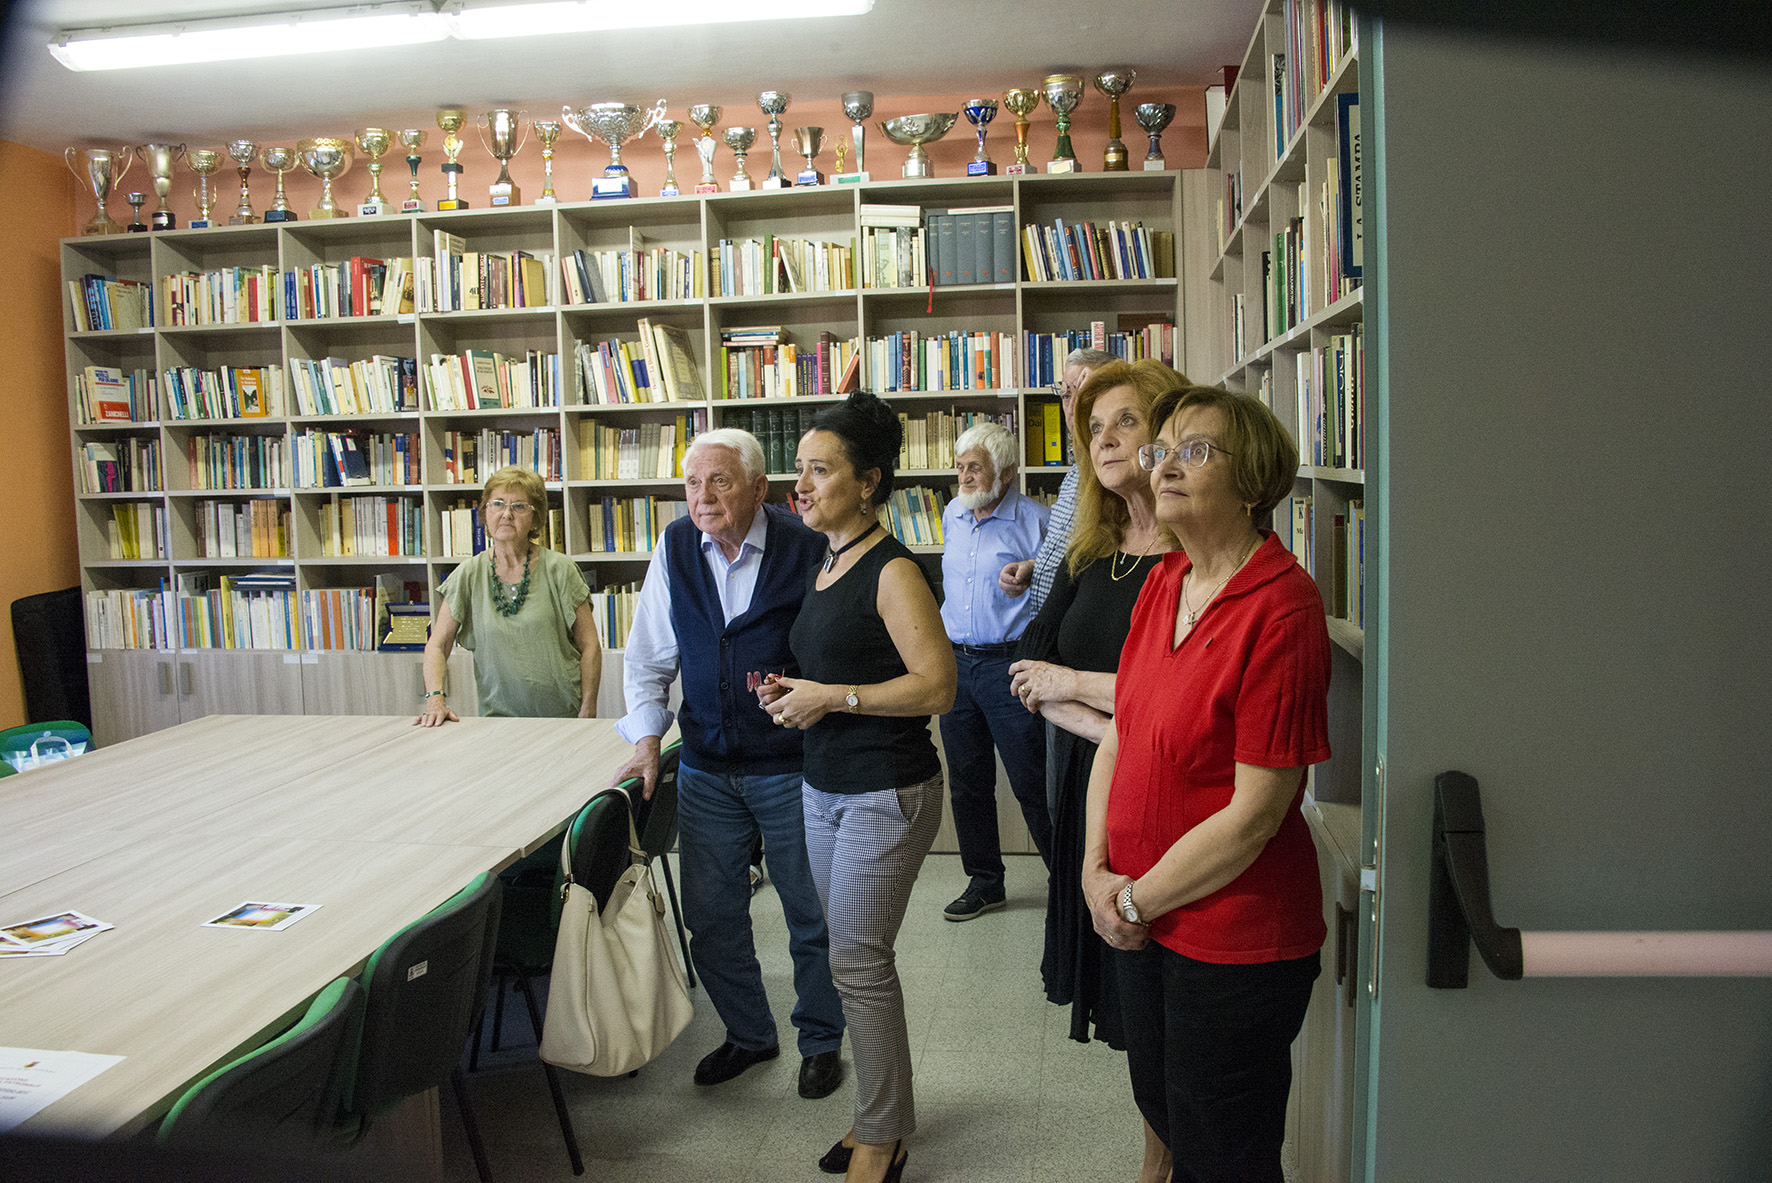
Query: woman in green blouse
(523,610)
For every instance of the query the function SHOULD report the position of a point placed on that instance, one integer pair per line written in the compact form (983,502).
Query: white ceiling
(901,48)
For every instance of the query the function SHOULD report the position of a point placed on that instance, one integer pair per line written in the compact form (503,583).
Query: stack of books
(137,531)
(642,451)
(231,295)
(256,529)
(377,385)
(228,392)
(1086,251)
(238,461)
(372,525)
(331,459)
(893,244)
(629,525)
(128,465)
(104,302)
(103,394)
(972,245)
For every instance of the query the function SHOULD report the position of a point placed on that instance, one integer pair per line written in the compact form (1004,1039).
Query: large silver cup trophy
(279,160)
(1063,92)
(99,168)
(507,134)
(705,116)
(913,131)
(1154,117)
(612,123)
(329,158)
(243,153)
(160,158)
(858,107)
(772,103)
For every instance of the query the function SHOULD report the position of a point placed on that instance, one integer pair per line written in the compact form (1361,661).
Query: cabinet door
(1320,1116)
(238,682)
(341,682)
(132,692)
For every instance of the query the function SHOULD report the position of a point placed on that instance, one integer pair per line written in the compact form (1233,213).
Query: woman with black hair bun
(876,664)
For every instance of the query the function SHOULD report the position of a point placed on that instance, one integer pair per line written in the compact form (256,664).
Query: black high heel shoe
(836,1159)
(895,1172)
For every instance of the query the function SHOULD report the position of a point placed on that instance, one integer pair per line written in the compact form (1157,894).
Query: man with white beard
(987,527)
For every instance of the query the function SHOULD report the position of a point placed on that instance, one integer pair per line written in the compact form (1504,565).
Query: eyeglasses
(512,507)
(1192,454)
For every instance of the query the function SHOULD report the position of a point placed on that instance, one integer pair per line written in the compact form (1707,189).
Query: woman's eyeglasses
(513,507)
(1192,454)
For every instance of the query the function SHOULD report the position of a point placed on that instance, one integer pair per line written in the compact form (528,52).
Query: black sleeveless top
(839,639)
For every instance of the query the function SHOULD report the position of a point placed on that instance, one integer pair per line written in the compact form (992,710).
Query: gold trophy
(1063,92)
(98,167)
(279,161)
(374,142)
(668,131)
(1020,103)
(508,134)
(450,119)
(329,158)
(204,162)
(546,132)
(412,139)
(705,116)
(243,153)
(1113,84)
(160,158)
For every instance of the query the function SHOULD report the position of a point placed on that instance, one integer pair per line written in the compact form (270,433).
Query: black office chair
(283,1095)
(656,820)
(426,989)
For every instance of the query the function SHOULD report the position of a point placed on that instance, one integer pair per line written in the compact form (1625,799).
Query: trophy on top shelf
(858,106)
(450,120)
(668,130)
(160,158)
(1063,92)
(1113,84)
(98,167)
(204,162)
(374,142)
(546,132)
(809,140)
(705,116)
(1154,117)
(1020,103)
(507,135)
(243,153)
(328,158)
(773,103)
(412,139)
(979,113)
(740,139)
(136,225)
(913,131)
(612,123)
(278,160)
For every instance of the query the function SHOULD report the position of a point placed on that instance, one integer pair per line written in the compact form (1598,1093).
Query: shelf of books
(281,430)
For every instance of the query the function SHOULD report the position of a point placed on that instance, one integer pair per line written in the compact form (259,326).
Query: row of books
(238,461)
(478,379)
(1332,401)
(778,429)
(929,439)
(341,618)
(1045,352)
(1050,441)
(371,525)
(1320,36)
(762,362)
(469,458)
(769,265)
(893,246)
(1344,589)
(226,392)
(658,366)
(128,618)
(456,279)
(381,384)
(1285,285)
(334,459)
(97,302)
(137,530)
(1230,206)
(642,451)
(463,532)
(626,525)
(639,273)
(955,360)
(227,295)
(1086,251)
(105,394)
(358,286)
(973,245)
(257,611)
(129,465)
(257,529)
(614,608)
(914,515)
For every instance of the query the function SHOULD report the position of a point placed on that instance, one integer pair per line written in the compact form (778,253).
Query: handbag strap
(637,856)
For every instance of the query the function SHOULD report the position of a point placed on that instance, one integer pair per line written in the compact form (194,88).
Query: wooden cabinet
(133,692)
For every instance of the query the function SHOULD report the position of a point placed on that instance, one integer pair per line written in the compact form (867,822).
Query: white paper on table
(262,916)
(61,929)
(31,1080)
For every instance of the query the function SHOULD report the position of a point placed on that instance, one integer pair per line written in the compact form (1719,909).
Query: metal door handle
(187,678)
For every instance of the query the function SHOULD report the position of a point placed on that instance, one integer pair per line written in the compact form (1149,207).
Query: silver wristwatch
(1127,908)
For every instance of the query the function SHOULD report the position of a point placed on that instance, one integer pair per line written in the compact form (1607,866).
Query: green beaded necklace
(513,605)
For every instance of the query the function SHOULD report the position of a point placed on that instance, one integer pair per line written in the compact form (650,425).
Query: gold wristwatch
(853,699)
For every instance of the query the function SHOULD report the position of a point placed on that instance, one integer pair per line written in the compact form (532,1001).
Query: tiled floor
(1002,1093)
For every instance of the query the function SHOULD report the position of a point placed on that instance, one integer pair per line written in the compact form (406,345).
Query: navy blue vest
(723,727)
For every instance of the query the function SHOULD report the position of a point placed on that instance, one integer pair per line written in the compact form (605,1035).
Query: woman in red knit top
(1198,867)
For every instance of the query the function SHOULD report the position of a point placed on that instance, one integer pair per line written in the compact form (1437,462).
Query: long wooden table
(374,819)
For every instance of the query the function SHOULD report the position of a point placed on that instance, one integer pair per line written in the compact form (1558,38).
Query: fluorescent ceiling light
(584,16)
(362,26)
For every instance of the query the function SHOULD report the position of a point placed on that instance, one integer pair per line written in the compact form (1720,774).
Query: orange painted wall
(37,552)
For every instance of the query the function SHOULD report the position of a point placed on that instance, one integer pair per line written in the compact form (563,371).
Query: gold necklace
(1114,572)
(1188,616)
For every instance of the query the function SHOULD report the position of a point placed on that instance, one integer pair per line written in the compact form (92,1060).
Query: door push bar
(1459,912)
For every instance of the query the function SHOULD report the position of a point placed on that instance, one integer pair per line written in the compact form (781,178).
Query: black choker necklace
(831,556)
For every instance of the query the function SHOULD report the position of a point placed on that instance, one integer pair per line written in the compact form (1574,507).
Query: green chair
(656,820)
(283,1095)
(425,991)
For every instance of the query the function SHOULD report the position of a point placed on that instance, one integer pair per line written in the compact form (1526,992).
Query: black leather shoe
(820,1074)
(973,903)
(728,1060)
(836,1159)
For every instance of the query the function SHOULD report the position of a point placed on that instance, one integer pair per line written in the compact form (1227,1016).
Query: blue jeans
(719,816)
(985,714)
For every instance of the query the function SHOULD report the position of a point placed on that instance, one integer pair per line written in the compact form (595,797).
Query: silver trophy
(913,131)
(705,116)
(740,139)
(507,136)
(279,160)
(328,158)
(1113,84)
(809,140)
(668,130)
(612,123)
(1063,92)
(979,113)
(99,168)
(858,107)
(243,153)
(773,103)
(1154,117)
(160,158)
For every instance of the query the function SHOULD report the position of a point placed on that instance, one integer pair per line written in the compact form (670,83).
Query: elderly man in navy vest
(989,526)
(724,587)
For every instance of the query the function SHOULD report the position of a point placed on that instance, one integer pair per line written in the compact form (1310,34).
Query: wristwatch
(1127,908)
(852,699)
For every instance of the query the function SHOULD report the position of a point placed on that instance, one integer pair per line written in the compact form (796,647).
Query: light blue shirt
(649,663)
(975,610)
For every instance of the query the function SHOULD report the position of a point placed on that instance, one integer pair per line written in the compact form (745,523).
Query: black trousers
(1209,1047)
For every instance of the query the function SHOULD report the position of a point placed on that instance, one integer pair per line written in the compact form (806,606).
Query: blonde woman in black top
(877,664)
